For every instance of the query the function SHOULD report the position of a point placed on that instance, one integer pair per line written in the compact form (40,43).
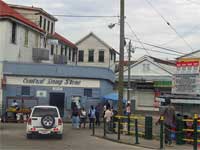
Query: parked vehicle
(44,120)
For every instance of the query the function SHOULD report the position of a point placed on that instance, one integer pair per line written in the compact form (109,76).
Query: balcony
(59,59)
(40,54)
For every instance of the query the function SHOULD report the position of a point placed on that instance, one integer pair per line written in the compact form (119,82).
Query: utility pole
(129,70)
(121,59)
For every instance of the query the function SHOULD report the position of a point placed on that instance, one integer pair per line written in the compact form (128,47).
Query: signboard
(186,64)
(54,82)
(186,84)
(52,42)
(41,93)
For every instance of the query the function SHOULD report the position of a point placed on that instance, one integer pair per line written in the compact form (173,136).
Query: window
(101,56)
(91,56)
(111,55)
(40,21)
(25,90)
(73,55)
(81,56)
(88,92)
(52,28)
(65,50)
(26,38)
(61,52)
(14,27)
(52,49)
(48,26)
(44,27)
(70,54)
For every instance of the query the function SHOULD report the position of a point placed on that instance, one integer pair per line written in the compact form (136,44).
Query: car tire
(59,136)
(29,136)
(46,119)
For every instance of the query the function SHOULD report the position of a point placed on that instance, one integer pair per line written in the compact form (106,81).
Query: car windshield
(40,112)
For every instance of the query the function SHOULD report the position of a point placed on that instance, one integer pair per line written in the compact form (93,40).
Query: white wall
(93,43)
(17,52)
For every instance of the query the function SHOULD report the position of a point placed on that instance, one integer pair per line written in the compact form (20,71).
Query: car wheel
(47,121)
(59,136)
(29,136)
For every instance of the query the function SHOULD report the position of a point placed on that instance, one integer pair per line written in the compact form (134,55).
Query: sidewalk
(151,144)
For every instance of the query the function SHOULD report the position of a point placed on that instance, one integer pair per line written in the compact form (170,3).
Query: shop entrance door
(57,99)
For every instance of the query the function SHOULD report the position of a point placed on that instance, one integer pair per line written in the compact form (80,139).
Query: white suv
(44,120)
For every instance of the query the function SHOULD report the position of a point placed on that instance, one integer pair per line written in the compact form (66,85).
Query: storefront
(57,85)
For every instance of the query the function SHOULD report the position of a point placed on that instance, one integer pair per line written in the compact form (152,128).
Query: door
(58,99)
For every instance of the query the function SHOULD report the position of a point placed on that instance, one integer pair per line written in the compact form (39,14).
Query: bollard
(195,132)
(119,126)
(161,132)
(148,127)
(104,127)
(93,128)
(136,132)
(128,124)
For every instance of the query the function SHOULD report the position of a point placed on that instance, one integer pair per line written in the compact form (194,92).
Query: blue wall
(104,75)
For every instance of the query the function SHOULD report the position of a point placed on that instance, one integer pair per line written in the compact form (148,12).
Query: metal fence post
(119,126)
(136,132)
(128,124)
(179,129)
(195,132)
(93,128)
(104,127)
(148,127)
(161,132)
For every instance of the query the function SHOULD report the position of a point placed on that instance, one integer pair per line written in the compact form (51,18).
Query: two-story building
(92,51)
(62,51)
(29,76)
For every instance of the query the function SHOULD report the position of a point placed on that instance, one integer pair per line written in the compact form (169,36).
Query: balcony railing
(60,59)
(40,54)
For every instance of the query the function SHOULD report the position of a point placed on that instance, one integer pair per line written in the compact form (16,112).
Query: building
(57,85)
(92,51)
(149,78)
(62,51)
(29,75)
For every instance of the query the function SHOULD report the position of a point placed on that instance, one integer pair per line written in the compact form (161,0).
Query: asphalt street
(12,137)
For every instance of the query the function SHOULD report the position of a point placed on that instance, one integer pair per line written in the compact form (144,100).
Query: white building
(62,51)
(149,78)
(18,37)
(92,51)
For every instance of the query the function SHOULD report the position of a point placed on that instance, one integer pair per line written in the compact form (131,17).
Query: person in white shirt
(107,116)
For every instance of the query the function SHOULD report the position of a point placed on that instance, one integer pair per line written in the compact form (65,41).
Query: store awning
(112,97)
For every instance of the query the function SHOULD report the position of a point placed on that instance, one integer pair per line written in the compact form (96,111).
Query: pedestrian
(97,115)
(91,115)
(83,117)
(75,117)
(128,109)
(169,120)
(107,116)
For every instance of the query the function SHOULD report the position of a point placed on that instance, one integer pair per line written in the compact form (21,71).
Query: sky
(146,22)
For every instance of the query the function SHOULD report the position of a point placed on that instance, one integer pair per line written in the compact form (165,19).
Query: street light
(121,57)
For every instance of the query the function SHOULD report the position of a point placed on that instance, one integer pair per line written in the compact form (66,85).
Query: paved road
(12,137)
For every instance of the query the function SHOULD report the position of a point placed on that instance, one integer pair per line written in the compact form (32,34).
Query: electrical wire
(193,2)
(70,16)
(159,51)
(137,38)
(163,48)
(168,23)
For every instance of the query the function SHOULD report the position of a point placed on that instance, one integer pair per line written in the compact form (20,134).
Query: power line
(69,16)
(137,38)
(193,2)
(159,51)
(167,22)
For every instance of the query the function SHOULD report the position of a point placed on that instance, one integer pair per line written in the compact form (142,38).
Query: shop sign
(54,82)
(41,93)
(57,89)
